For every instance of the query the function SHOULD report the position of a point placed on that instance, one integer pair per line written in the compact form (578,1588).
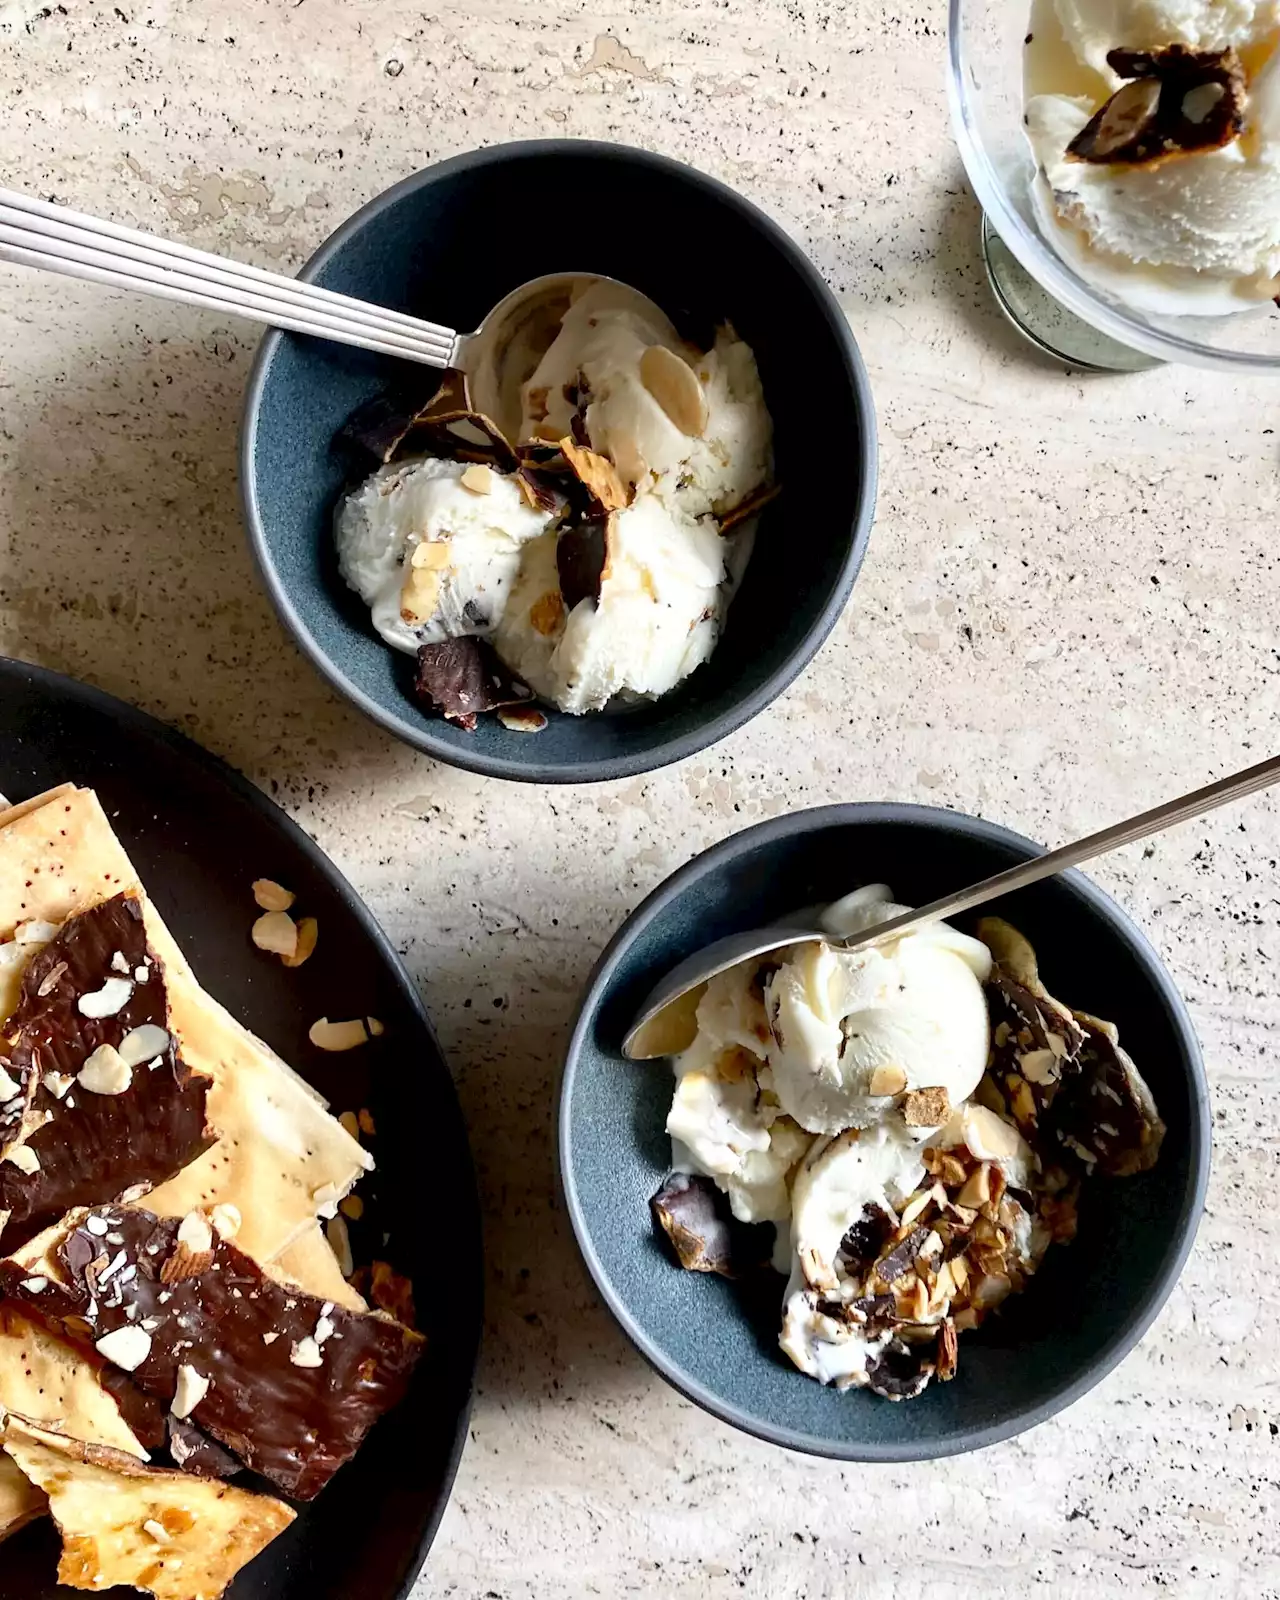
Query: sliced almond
(598,473)
(270,896)
(435,554)
(308,933)
(105,1072)
(276,932)
(915,1206)
(352,1206)
(977,1188)
(367,1124)
(143,1044)
(126,1347)
(522,720)
(335,1230)
(478,479)
(351,1123)
(420,594)
(326,1035)
(674,385)
(1040,1066)
(887,1080)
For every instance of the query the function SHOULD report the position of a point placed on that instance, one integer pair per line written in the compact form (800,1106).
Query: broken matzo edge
(175,1536)
(281,1158)
(20,1501)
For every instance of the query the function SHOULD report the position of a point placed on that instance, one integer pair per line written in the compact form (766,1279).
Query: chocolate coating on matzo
(295,1383)
(95,1146)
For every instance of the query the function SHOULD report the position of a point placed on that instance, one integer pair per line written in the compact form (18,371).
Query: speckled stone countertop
(1068,612)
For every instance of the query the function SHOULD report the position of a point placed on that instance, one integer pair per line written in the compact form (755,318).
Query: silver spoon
(666,1017)
(496,358)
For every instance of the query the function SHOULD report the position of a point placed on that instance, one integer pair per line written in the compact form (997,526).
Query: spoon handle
(1184,809)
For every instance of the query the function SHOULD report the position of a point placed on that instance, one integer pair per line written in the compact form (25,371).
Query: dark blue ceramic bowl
(1091,1301)
(446,244)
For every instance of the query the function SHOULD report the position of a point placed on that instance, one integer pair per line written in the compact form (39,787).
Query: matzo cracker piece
(177,1537)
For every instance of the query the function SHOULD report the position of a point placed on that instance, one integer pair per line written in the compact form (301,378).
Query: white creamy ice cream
(724,1121)
(601,356)
(1195,233)
(878,1167)
(475,542)
(691,438)
(852,1029)
(662,601)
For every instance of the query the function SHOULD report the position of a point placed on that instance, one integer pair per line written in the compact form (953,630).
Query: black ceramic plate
(199,834)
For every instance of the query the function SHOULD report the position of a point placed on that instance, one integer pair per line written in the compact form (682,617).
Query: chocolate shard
(901,1371)
(460,679)
(597,475)
(752,506)
(1177,101)
(704,1233)
(1105,1114)
(390,428)
(378,426)
(876,1311)
(582,558)
(948,1350)
(902,1257)
(195,1452)
(140,1127)
(448,426)
(866,1237)
(288,1383)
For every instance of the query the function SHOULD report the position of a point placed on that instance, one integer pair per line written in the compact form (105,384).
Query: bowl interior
(718,1342)
(447,245)
(986,49)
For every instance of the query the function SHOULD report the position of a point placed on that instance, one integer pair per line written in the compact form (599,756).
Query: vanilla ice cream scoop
(852,1029)
(434,547)
(724,1122)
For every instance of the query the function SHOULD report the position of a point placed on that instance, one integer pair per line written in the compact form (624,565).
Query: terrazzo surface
(1067,613)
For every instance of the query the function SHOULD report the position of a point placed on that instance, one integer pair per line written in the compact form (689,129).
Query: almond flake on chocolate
(295,1425)
(84,1145)
(1178,102)
(462,678)
(902,1257)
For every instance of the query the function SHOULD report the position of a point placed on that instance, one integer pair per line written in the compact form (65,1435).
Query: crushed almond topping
(276,932)
(308,934)
(108,1001)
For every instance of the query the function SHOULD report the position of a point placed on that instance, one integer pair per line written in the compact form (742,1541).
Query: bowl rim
(677,748)
(1126,1335)
(1044,264)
